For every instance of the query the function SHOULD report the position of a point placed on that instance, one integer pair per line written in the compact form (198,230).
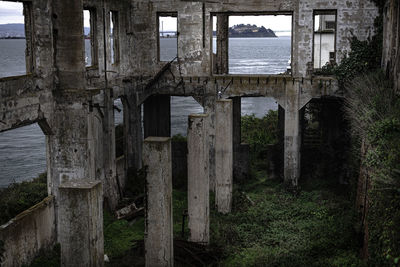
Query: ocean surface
(23,150)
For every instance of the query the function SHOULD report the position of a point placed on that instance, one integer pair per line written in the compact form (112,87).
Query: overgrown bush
(21,196)
(373,108)
(260,132)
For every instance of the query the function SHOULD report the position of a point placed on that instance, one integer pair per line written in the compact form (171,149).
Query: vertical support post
(224,155)
(158,218)
(222,43)
(198,179)
(209,108)
(237,136)
(292,136)
(111,192)
(80,224)
(157,116)
(133,138)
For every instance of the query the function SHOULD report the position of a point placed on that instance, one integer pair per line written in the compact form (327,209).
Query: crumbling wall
(29,232)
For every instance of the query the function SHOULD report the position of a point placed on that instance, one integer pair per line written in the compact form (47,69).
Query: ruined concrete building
(73,105)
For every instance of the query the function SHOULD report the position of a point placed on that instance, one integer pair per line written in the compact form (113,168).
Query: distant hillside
(242,30)
(12,30)
(18,30)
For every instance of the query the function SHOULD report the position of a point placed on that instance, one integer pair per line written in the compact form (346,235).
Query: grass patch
(314,228)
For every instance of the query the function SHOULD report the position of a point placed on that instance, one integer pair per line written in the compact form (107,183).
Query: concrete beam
(198,179)
(224,155)
(80,223)
(158,218)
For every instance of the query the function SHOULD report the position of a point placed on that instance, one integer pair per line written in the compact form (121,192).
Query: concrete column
(133,133)
(110,185)
(157,116)
(69,153)
(80,223)
(209,108)
(158,218)
(198,179)
(224,155)
(292,140)
(222,43)
(237,135)
(69,43)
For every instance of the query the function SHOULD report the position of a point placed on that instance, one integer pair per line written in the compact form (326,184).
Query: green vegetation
(49,258)
(20,196)
(373,108)
(260,132)
(314,228)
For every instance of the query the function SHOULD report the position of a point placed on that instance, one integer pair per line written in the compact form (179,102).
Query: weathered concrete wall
(158,237)
(27,233)
(80,223)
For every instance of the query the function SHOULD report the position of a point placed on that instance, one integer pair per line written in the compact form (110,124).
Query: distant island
(243,31)
(249,31)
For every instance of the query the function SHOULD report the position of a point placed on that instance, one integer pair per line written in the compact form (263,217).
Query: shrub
(21,196)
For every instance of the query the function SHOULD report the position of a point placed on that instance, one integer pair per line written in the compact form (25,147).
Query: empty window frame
(258,43)
(324,50)
(89,31)
(167,41)
(114,37)
(16,46)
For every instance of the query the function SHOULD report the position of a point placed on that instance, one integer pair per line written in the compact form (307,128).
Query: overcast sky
(12,13)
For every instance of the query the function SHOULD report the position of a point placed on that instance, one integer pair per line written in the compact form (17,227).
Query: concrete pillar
(133,133)
(110,185)
(158,218)
(198,179)
(69,43)
(209,108)
(69,154)
(222,44)
(80,223)
(157,116)
(237,135)
(224,155)
(292,140)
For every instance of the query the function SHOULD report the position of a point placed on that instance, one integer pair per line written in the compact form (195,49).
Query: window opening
(324,38)
(167,36)
(15,53)
(89,31)
(260,44)
(114,37)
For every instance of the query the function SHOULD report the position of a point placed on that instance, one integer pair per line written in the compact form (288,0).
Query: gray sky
(11,12)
